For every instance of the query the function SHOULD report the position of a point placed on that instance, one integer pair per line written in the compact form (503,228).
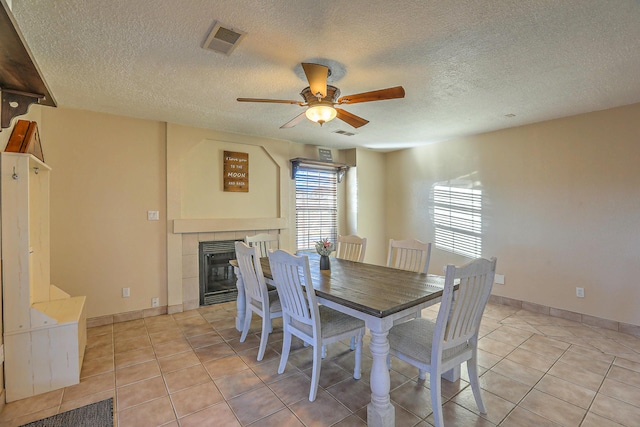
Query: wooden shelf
(21,82)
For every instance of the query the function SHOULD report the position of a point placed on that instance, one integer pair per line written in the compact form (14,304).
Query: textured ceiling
(465,65)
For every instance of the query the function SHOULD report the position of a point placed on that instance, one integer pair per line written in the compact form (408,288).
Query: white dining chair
(264,242)
(316,325)
(409,255)
(351,248)
(453,338)
(259,300)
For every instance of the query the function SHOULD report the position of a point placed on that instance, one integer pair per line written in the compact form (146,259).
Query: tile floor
(189,369)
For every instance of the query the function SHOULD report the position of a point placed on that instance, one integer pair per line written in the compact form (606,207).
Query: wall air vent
(223,38)
(344,132)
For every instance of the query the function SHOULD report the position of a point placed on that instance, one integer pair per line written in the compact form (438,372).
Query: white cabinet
(44,328)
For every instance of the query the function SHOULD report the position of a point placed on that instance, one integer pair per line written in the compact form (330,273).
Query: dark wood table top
(372,289)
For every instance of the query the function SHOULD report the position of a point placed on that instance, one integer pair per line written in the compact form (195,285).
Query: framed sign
(236,172)
(325,155)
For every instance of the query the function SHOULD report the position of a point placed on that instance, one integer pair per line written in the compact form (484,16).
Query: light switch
(153,215)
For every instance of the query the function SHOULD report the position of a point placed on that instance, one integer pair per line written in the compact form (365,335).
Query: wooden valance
(340,168)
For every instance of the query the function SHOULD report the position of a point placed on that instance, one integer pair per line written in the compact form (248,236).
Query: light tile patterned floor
(190,369)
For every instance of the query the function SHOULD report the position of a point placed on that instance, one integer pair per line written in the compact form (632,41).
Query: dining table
(378,295)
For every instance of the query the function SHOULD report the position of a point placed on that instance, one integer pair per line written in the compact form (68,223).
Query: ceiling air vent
(344,132)
(223,38)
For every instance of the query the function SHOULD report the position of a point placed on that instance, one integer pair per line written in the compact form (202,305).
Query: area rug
(99,414)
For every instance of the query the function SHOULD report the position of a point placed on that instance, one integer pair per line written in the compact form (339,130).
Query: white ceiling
(465,65)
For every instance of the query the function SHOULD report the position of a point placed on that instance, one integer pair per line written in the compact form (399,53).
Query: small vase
(325,263)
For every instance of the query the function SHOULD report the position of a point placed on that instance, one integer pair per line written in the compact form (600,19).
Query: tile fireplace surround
(190,259)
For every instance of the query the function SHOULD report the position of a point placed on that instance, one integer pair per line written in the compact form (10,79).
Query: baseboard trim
(125,317)
(625,328)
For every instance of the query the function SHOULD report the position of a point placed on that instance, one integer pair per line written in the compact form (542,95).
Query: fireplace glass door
(217,279)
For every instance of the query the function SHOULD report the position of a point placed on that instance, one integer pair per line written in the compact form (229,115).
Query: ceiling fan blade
(376,95)
(276,101)
(317,76)
(351,119)
(297,119)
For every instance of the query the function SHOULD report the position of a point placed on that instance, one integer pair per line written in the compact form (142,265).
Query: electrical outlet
(499,279)
(153,216)
(126,292)
(155,302)
(580,292)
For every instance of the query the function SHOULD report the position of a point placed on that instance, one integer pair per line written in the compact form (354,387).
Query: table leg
(380,412)
(241,301)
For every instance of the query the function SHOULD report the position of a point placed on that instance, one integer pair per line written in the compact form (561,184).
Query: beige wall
(561,204)
(108,171)
(561,207)
(202,184)
(371,176)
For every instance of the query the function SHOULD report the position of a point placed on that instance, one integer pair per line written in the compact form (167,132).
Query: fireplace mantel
(183,226)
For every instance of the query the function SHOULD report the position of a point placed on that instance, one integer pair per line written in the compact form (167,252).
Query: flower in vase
(325,247)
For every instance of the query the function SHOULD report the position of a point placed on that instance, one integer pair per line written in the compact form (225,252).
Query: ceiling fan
(321,99)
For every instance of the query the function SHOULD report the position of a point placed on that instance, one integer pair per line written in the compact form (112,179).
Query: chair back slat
(460,313)
(409,255)
(264,242)
(463,310)
(249,264)
(351,248)
(291,274)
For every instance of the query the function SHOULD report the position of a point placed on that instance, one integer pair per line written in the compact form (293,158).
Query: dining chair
(316,325)
(453,338)
(409,255)
(259,300)
(351,248)
(263,241)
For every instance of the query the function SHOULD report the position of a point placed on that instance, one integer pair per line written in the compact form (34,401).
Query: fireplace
(186,292)
(217,279)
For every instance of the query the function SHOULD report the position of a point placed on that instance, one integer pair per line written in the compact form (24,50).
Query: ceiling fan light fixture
(320,99)
(321,113)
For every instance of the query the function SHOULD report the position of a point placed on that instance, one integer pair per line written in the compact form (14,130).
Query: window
(457,216)
(316,207)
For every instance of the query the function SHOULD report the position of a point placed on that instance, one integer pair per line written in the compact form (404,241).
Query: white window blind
(457,216)
(316,207)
